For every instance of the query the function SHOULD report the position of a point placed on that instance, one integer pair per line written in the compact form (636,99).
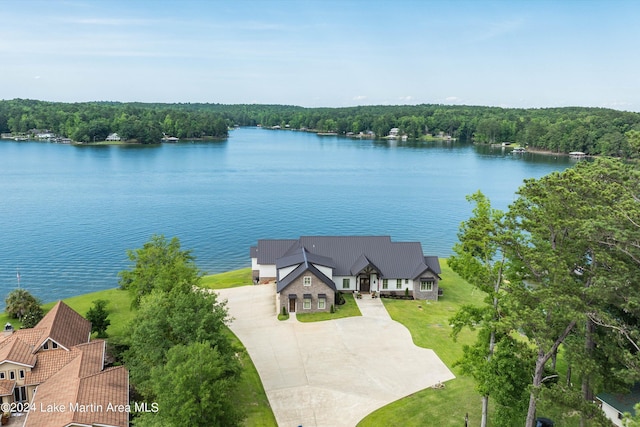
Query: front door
(365,285)
(292,305)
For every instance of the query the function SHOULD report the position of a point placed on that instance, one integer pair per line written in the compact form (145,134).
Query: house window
(385,283)
(46,346)
(306,303)
(306,280)
(21,373)
(426,285)
(406,281)
(322,304)
(20,394)
(54,345)
(399,284)
(3,375)
(346,283)
(12,375)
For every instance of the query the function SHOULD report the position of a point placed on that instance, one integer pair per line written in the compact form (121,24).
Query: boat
(577,155)
(519,150)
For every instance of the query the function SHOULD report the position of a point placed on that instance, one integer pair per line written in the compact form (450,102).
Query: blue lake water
(68,214)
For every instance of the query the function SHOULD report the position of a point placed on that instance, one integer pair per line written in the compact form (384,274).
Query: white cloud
(359,98)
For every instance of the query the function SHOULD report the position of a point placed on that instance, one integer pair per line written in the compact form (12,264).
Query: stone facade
(298,288)
(426,295)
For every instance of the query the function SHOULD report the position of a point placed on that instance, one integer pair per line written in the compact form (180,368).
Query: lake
(68,214)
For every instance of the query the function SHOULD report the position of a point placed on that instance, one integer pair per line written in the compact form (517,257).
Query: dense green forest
(591,130)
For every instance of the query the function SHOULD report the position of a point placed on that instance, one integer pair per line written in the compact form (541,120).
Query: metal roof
(302,268)
(391,259)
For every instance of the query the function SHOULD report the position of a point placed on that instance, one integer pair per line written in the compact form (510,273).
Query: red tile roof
(87,400)
(17,351)
(64,326)
(71,376)
(6,387)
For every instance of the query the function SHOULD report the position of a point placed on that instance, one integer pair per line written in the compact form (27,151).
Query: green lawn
(348,309)
(428,323)
(119,309)
(230,279)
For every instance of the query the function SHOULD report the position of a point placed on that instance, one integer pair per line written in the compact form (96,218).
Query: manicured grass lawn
(348,309)
(250,393)
(429,326)
(119,309)
(230,279)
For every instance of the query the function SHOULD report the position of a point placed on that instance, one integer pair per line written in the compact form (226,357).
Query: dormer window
(21,374)
(54,345)
(46,346)
(3,375)
(12,375)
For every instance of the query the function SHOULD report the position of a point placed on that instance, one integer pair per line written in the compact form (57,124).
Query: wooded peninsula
(594,131)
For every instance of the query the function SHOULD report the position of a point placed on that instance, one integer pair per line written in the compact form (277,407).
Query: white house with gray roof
(310,270)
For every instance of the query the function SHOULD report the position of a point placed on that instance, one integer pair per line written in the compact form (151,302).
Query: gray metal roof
(268,251)
(303,255)
(302,268)
(391,259)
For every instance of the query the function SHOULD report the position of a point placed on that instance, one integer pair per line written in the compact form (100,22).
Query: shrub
(333,309)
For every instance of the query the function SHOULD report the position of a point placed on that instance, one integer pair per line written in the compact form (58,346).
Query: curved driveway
(330,373)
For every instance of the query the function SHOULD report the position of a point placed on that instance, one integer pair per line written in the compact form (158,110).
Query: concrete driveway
(330,373)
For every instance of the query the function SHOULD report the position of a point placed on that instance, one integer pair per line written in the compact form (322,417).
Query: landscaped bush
(340,298)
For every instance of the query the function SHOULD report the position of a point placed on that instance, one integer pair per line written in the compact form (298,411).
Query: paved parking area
(330,373)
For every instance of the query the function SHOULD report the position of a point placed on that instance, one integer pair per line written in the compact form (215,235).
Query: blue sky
(324,53)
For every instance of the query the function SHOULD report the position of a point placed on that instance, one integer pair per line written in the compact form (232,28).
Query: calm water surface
(69,213)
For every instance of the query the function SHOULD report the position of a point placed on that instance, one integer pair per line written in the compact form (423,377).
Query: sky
(326,53)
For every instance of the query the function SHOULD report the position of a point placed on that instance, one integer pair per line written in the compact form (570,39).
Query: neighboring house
(113,137)
(615,405)
(310,270)
(55,365)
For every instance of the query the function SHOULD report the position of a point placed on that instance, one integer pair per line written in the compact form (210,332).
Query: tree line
(559,268)
(595,131)
(94,121)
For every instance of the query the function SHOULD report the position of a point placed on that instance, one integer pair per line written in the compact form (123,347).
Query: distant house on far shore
(113,137)
(615,405)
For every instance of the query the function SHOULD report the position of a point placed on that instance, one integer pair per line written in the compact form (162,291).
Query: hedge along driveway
(330,373)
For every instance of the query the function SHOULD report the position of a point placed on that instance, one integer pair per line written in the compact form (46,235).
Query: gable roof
(349,253)
(305,261)
(301,269)
(81,380)
(64,326)
(17,351)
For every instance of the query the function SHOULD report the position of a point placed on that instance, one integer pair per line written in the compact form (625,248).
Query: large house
(310,270)
(57,375)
